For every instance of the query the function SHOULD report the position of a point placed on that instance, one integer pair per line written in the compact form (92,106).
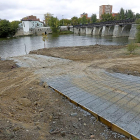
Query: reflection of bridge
(113,28)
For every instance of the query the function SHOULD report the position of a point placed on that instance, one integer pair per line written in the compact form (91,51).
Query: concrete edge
(112,126)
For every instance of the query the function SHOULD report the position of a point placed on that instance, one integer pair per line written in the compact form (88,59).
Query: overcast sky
(17,9)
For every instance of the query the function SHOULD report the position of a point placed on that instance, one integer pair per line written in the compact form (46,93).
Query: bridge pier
(76,30)
(105,31)
(96,31)
(133,31)
(110,30)
(83,30)
(126,30)
(89,30)
(71,29)
(117,31)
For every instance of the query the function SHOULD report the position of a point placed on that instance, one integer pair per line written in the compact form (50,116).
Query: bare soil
(111,58)
(30,110)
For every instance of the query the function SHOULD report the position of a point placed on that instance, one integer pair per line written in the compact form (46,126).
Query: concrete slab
(114,97)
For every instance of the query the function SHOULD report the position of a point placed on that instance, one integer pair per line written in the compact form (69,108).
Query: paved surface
(115,97)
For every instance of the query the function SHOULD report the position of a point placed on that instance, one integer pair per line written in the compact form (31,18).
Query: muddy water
(23,45)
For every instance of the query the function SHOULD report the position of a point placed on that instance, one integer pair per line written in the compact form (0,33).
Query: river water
(23,45)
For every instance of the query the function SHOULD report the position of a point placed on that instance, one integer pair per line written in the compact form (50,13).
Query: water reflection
(16,46)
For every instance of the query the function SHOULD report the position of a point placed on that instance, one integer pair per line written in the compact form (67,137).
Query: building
(114,14)
(105,9)
(84,14)
(29,23)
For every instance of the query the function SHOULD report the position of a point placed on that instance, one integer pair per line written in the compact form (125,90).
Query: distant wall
(42,30)
(19,32)
(38,30)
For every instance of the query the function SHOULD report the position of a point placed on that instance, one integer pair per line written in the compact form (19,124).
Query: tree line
(122,15)
(8,29)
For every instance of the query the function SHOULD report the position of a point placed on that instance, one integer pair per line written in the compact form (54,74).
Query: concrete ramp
(113,98)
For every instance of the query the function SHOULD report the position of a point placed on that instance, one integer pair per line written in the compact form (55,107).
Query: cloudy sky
(17,9)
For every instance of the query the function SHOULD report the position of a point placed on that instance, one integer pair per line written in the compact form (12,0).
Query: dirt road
(30,110)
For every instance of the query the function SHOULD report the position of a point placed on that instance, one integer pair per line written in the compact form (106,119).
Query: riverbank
(31,110)
(110,58)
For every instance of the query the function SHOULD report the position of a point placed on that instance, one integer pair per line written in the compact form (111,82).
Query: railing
(108,23)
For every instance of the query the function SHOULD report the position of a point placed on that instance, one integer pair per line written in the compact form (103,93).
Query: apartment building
(105,9)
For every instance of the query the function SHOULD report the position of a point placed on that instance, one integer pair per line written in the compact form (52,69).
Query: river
(23,45)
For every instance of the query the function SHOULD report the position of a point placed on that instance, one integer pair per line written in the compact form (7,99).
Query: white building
(29,23)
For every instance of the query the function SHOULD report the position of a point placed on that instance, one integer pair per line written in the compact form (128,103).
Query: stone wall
(41,30)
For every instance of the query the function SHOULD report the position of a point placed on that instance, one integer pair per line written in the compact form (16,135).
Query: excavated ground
(31,110)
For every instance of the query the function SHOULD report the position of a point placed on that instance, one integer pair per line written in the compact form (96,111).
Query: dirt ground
(111,58)
(30,110)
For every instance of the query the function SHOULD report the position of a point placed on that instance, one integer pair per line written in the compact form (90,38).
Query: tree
(44,38)
(84,20)
(13,27)
(74,21)
(4,28)
(137,15)
(93,18)
(130,14)
(122,14)
(138,30)
(54,24)
(65,22)
(106,17)
(47,17)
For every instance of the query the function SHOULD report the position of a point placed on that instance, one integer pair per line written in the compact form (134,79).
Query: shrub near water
(131,47)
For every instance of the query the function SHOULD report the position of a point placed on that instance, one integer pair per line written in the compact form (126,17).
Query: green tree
(84,20)
(138,30)
(47,17)
(54,24)
(4,28)
(74,21)
(106,17)
(14,27)
(122,14)
(137,15)
(130,14)
(65,22)
(93,18)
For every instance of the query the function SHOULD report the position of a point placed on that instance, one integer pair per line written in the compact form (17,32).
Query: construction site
(71,93)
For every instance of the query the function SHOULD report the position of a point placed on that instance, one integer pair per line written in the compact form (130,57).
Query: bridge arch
(126,30)
(100,31)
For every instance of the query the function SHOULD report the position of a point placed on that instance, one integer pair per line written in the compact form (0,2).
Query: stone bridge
(118,28)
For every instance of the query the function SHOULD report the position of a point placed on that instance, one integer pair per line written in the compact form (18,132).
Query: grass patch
(132,47)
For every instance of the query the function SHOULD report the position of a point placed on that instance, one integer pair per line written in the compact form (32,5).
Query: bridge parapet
(107,23)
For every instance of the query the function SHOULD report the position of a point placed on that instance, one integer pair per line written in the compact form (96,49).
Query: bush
(131,47)
(138,31)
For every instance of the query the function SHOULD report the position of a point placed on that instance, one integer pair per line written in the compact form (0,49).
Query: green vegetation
(8,29)
(132,47)
(93,18)
(54,24)
(106,17)
(126,14)
(138,31)
(74,20)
